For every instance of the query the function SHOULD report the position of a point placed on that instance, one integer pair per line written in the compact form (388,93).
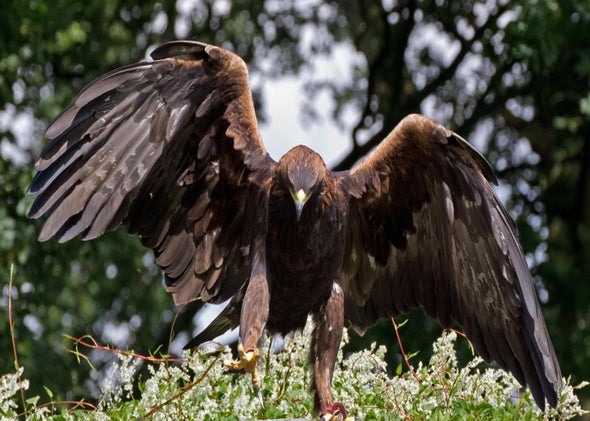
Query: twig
(401,348)
(188,387)
(12,336)
(89,342)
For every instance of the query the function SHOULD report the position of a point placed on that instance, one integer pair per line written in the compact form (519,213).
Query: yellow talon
(337,417)
(336,412)
(246,363)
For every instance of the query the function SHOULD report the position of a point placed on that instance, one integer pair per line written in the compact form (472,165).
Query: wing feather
(426,229)
(170,149)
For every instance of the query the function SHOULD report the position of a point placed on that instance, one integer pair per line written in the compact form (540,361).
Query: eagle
(170,148)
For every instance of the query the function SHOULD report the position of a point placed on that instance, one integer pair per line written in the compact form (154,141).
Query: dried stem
(401,348)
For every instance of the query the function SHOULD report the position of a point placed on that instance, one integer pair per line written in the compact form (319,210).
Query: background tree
(513,77)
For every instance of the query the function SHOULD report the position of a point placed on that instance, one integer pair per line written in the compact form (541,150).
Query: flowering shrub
(199,389)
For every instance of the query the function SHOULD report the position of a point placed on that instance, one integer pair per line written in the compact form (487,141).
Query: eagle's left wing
(427,230)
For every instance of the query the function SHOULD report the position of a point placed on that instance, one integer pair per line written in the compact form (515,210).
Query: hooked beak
(300,198)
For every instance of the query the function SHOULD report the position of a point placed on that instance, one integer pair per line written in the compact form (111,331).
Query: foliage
(198,389)
(511,76)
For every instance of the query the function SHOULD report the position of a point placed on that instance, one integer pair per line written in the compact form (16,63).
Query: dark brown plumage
(171,150)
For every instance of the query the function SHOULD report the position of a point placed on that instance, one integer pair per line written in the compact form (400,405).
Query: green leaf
(48,391)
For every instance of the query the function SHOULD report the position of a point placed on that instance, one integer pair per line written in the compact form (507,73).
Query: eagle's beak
(300,199)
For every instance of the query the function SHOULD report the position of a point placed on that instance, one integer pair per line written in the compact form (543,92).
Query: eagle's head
(302,173)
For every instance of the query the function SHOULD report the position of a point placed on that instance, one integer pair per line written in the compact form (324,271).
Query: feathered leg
(253,319)
(329,322)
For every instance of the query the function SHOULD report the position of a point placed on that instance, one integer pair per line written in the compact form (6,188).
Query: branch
(386,70)
(466,46)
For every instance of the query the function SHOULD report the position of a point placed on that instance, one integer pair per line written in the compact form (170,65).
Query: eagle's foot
(247,363)
(335,412)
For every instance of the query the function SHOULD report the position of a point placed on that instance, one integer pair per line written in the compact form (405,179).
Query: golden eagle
(170,149)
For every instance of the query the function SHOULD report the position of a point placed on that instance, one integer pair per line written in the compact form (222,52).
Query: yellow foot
(337,417)
(335,412)
(247,363)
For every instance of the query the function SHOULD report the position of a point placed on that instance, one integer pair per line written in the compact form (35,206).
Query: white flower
(199,388)
(10,385)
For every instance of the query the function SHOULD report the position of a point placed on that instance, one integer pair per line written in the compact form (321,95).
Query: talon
(247,363)
(259,394)
(335,417)
(336,412)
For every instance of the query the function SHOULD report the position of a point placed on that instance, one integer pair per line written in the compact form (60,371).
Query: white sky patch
(116,333)
(159,23)
(206,315)
(284,129)
(284,98)
(440,46)
(21,124)
(34,325)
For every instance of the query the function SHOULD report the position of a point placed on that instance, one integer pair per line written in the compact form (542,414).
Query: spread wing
(171,150)
(427,230)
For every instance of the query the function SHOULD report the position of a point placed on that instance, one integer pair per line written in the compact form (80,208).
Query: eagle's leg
(328,324)
(252,321)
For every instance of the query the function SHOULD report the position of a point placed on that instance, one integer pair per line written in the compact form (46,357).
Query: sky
(284,129)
